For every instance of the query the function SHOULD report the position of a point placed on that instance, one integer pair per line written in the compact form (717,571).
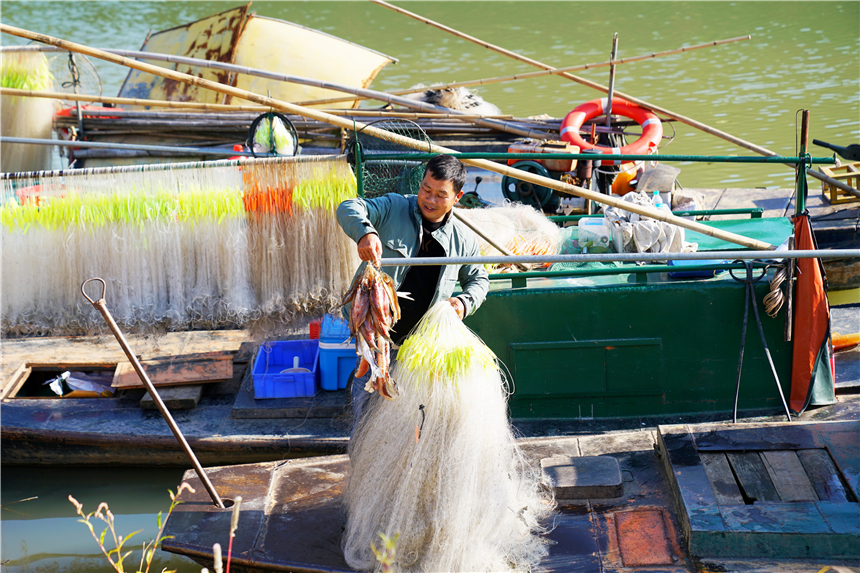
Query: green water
(802,55)
(39,530)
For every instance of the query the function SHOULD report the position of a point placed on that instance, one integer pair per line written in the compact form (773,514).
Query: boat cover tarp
(812,378)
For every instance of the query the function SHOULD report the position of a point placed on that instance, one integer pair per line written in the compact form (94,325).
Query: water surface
(802,55)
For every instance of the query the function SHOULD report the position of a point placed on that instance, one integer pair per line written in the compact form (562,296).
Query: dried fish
(374,311)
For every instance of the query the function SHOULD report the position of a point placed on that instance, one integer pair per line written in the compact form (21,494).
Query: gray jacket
(396,219)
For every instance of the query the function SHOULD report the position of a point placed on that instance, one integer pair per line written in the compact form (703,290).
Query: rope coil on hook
(774,300)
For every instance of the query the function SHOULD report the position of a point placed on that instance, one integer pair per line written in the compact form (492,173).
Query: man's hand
(370,248)
(458,306)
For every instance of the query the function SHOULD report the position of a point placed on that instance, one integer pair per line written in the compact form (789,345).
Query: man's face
(436,198)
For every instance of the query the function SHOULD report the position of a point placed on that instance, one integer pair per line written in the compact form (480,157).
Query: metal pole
(102,308)
(611,81)
(625,257)
(128,146)
(359,168)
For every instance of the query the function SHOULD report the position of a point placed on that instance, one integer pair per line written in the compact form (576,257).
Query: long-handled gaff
(101,306)
(560,186)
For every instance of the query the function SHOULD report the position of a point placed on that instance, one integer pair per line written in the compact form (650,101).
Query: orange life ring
(652,129)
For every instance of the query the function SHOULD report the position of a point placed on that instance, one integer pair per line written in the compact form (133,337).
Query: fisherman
(410,226)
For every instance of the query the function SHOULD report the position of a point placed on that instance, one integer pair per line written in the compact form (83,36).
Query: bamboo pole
(371,94)
(392,137)
(228,107)
(676,116)
(528,75)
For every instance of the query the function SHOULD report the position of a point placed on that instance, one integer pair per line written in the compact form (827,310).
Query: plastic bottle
(657,199)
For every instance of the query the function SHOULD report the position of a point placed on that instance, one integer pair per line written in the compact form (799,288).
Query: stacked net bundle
(28,117)
(175,246)
(439,465)
(521,229)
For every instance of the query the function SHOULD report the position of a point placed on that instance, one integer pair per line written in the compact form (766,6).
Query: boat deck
(292,518)
(766,490)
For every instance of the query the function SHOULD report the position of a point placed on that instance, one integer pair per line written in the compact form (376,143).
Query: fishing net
(27,117)
(439,464)
(521,229)
(381,176)
(200,247)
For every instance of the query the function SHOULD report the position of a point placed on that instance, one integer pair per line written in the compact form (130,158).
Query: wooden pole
(528,75)
(392,137)
(676,116)
(611,82)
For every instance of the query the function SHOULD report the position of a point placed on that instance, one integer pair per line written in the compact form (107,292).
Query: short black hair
(447,168)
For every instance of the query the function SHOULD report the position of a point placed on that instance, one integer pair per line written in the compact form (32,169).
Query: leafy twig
(103,513)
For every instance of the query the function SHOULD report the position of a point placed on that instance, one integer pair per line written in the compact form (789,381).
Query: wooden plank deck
(797,481)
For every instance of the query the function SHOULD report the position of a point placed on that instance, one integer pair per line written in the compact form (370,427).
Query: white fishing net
(26,117)
(198,248)
(521,229)
(439,464)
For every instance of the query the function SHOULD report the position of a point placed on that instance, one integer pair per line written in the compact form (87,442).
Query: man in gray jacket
(419,225)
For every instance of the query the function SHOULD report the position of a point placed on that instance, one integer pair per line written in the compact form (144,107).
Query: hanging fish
(374,311)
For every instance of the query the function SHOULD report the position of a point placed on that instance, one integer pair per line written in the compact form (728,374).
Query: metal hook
(104,289)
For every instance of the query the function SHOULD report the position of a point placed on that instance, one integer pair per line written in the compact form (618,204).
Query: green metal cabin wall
(615,347)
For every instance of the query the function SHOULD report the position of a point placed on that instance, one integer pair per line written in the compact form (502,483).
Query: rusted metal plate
(280,46)
(176,370)
(213,38)
(642,538)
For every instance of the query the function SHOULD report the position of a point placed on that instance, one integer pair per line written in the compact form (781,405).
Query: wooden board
(175,397)
(176,370)
(86,352)
(15,381)
(823,475)
(752,476)
(722,479)
(788,476)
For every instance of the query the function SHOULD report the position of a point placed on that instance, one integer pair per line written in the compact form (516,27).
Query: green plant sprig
(103,513)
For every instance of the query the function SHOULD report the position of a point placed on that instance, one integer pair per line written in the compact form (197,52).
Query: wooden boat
(617,373)
(585,348)
(663,498)
(624,355)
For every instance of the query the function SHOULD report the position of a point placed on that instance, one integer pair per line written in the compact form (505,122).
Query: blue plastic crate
(334,329)
(270,380)
(337,353)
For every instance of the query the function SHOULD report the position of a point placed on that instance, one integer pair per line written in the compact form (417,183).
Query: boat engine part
(850,152)
(652,129)
(537,196)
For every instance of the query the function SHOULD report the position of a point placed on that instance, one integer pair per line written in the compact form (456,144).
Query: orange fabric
(811,317)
